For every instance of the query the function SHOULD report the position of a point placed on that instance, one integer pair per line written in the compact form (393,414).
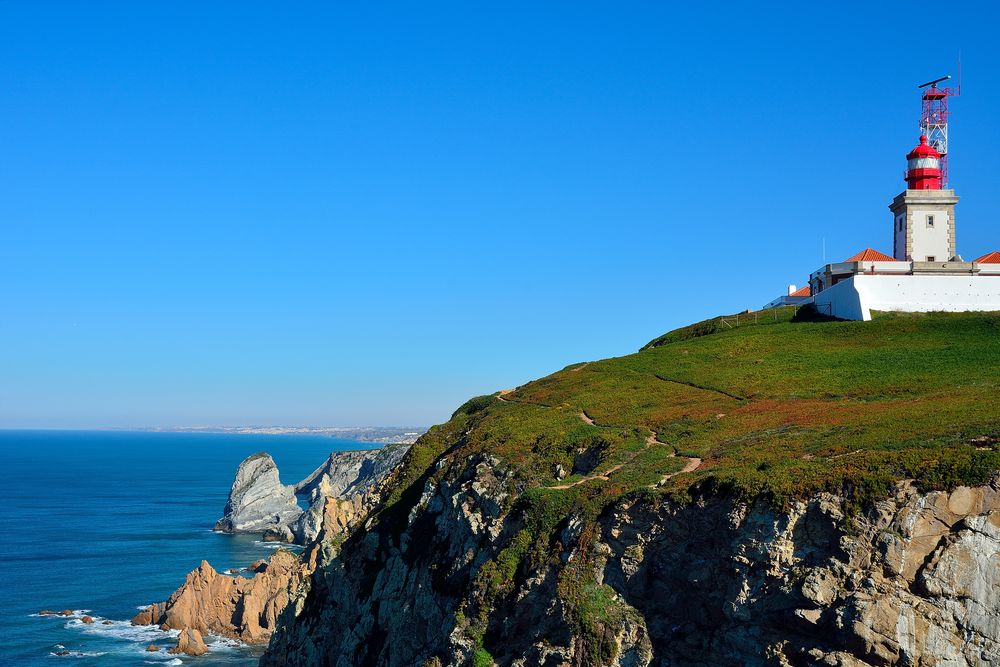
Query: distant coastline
(389,435)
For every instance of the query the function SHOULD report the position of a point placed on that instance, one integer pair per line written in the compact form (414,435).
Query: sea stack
(258,501)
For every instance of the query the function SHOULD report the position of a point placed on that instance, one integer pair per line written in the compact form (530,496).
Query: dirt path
(693,462)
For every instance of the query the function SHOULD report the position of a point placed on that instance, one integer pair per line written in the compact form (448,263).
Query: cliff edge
(790,492)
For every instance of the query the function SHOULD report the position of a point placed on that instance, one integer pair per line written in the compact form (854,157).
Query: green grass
(783,407)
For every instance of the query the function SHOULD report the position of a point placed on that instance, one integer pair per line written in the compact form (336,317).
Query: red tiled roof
(802,291)
(869,255)
(990,258)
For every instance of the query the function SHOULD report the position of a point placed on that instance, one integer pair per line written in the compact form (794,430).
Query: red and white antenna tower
(934,118)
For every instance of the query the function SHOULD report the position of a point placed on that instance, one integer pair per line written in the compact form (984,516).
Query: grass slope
(776,406)
(779,406)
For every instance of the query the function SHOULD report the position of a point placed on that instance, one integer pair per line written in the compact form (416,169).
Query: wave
(140,634)
(77,613)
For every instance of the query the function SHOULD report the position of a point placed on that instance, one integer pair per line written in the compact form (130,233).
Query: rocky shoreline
(340,491)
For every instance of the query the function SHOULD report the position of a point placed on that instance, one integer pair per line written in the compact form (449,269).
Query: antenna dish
(931,83)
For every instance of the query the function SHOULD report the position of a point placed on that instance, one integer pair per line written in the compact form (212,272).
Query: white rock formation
(258,501)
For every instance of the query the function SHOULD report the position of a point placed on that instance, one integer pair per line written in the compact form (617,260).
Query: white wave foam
(142,634)
(77,613)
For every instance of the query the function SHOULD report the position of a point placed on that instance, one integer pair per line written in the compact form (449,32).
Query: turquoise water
(109,521)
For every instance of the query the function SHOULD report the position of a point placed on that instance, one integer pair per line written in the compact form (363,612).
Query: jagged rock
(87,620)
(189,642)
(351,473)
(152,648)
(344,489)
(281,533)
(244,609)
(258,500)
(914,580)
(351,476)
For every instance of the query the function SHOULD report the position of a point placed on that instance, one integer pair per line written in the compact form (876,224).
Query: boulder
(189,642)
(87,619)
(152,648)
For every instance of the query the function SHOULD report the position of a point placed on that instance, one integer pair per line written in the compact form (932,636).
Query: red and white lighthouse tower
(923,167)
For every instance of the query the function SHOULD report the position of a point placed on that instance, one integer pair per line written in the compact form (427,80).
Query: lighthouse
(923,167)
(923,215)
(924,273)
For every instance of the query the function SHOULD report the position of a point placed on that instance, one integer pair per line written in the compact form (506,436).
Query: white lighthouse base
(856,297)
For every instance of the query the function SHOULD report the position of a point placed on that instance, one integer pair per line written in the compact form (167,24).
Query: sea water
(104,522)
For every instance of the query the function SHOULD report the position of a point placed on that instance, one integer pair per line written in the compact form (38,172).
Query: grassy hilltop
(781,406)
(778,408)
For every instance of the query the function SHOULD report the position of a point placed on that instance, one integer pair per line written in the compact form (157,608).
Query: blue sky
(313,213)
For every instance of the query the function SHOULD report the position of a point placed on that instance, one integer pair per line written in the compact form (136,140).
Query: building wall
(899,236)
(930,241)
(856,297)
(915,240)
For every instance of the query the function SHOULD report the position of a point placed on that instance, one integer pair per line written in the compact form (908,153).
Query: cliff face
(343,490)
(786,492)
(914,580)
(258,501)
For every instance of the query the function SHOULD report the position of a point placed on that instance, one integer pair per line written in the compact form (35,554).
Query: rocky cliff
(781,494)
(258,501)
(455,576)
(237,607)
(343,488)
(343,491)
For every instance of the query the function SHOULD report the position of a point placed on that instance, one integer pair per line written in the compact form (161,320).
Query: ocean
(103,522)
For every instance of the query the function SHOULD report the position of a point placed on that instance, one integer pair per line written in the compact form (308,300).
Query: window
(930,258)
(930,222)
(901,224)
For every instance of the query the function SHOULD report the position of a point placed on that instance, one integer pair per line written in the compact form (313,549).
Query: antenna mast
(934,118)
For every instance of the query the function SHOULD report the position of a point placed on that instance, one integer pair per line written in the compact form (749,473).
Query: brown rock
(46,612)
(66,612)
(87,619)
(105,622)
(244,609)
(189,642)
(152,648)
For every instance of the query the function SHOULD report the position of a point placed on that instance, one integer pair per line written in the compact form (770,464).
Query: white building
(924,274)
